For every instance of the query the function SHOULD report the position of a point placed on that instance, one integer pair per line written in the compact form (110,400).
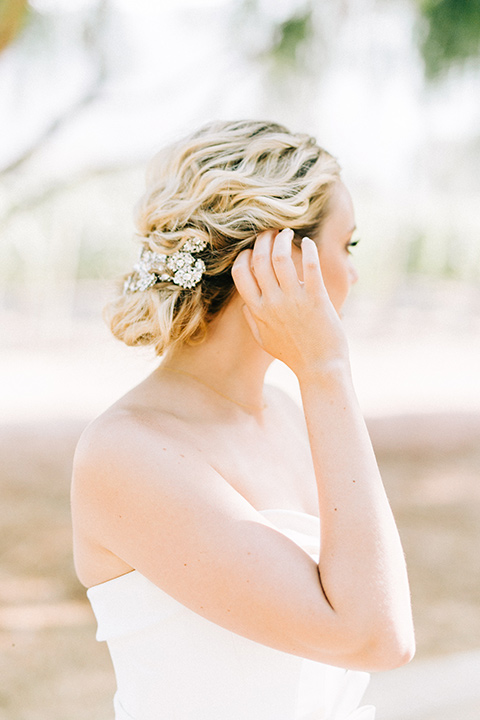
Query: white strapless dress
(172,664)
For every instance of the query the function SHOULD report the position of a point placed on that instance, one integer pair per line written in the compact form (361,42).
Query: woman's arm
(361,568)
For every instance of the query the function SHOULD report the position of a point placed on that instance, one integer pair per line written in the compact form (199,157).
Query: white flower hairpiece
(181,268)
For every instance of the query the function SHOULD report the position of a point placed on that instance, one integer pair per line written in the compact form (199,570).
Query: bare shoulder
(123,445)
(123,453)
(144,497)
(115,434)
(101,436)
(133,477)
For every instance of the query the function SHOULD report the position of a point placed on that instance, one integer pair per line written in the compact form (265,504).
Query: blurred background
(89,90)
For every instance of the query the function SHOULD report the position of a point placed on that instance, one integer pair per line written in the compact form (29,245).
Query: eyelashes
(352,244)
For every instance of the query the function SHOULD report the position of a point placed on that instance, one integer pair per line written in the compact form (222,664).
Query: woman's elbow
(387,651)
(372,647)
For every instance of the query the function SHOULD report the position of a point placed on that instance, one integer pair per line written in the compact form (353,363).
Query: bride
(241,556)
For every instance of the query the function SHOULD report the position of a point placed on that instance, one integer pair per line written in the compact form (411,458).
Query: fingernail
(288,232)
(306,238)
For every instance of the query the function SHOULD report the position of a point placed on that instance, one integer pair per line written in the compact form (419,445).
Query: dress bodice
(172,664)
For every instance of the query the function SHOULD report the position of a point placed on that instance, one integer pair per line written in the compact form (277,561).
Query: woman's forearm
(361,565)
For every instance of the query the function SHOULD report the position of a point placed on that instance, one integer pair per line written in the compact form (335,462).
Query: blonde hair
(224,184)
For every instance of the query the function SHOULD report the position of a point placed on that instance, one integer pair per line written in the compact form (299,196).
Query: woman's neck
(228,361)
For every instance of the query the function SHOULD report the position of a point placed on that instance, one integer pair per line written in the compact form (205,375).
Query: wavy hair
(224,184)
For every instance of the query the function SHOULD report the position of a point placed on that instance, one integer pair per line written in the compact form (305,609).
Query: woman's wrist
(325,373)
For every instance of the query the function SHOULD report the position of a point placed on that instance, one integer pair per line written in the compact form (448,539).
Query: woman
(199,501)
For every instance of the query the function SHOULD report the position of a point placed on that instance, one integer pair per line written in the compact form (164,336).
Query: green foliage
(452,33)
(290,36)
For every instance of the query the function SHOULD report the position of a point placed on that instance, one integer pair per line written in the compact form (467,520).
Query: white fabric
(172,664)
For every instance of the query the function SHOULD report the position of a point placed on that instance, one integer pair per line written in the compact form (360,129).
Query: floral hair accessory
(181,268)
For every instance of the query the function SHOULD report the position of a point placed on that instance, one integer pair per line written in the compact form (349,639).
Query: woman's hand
(291,319)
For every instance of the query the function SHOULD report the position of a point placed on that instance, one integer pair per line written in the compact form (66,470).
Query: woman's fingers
(268,268)
(312,274)
(262,263)
(244,278)
(282,261)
